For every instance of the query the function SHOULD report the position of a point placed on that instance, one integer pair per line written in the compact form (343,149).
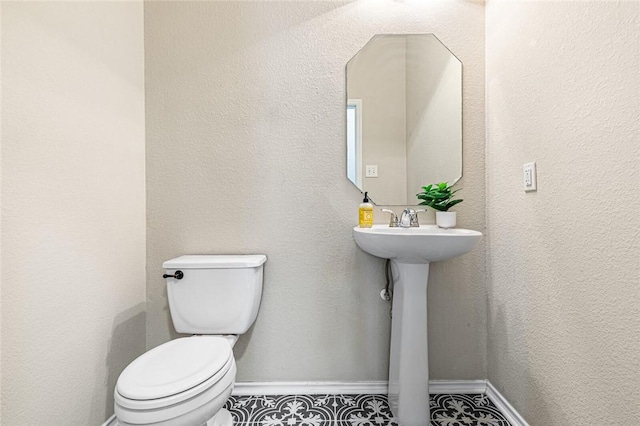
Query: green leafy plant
(438,196)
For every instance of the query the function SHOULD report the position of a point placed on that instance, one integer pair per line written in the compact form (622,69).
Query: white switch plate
(529,178)
(371,171)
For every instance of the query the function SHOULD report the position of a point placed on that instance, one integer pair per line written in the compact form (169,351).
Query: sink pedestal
(411,250)
(409,359)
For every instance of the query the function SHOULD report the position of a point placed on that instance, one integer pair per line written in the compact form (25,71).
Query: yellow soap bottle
(366,213)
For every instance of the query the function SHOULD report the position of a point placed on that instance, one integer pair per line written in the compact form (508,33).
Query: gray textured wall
(246,154)
(564,270)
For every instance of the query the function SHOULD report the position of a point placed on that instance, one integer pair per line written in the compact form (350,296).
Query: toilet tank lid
(222,261)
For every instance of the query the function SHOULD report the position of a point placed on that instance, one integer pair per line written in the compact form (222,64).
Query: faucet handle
(393,220)
(415,217)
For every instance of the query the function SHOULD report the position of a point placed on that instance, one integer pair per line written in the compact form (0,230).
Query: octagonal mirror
(404,117)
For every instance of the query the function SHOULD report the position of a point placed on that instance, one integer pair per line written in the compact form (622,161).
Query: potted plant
(440,198)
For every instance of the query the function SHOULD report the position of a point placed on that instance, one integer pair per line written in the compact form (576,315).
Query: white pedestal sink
(411,250)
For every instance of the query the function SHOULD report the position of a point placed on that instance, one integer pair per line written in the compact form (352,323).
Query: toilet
(187,381)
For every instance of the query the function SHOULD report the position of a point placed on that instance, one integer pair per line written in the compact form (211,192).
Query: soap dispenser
(366,213)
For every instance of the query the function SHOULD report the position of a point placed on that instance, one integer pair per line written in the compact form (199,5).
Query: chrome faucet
(409,218)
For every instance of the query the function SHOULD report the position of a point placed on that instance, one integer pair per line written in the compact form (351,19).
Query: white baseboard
(457,386)
(352,388)
(505,408)
(378,387)
(309,388)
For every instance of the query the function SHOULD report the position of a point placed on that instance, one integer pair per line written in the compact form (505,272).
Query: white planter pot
(446,219)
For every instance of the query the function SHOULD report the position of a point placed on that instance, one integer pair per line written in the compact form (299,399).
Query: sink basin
(424,244)
(411,251)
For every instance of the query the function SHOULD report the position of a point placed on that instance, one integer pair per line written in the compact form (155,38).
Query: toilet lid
(174,367)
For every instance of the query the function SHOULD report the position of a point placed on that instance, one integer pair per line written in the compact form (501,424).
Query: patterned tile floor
(357,410)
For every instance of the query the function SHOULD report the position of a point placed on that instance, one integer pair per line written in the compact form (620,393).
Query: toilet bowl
(183,382)
(187,381)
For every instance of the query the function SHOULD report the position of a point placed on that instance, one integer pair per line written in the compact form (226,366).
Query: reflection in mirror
(404,117)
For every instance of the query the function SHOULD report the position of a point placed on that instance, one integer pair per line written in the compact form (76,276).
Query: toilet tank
(218,294)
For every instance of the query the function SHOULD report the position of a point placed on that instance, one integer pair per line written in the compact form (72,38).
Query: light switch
(529,177)
(371,171)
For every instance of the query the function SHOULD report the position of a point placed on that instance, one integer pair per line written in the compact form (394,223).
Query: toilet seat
(174,379)
(174,367)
